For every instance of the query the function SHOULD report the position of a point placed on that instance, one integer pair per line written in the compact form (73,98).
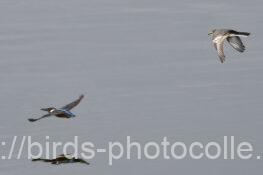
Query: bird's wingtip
(31,120)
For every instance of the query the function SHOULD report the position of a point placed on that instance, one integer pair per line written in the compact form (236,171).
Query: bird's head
(211,32)
(49,109)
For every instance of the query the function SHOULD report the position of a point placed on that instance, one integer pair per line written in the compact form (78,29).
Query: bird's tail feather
(243,33)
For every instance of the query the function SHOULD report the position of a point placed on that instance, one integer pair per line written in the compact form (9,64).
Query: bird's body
(63,112)
(233,38)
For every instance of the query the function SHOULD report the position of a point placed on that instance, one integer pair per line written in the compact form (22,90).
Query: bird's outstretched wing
(236,43)
(36,119)
(220,48)
(73,104)
(215,46)
(40,159)
(83,161)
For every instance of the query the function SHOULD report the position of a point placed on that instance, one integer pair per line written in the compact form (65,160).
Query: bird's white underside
(217,39)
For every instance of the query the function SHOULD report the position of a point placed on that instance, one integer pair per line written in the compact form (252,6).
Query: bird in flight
(63,112)
(62,159)
(233,38)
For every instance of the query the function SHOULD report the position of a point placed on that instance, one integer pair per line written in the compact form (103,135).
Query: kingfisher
(63,112)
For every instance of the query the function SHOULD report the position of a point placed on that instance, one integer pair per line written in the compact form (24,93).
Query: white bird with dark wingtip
(233,38)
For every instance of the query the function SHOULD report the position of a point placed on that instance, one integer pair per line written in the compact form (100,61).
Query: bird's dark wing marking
(40,159)
(236,43)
